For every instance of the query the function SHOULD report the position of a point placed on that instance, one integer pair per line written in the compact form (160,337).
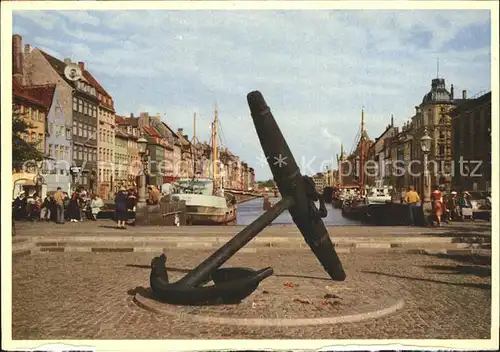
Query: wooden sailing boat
(205,201)
(355,206)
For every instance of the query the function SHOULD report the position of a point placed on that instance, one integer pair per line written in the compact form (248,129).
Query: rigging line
(222,137)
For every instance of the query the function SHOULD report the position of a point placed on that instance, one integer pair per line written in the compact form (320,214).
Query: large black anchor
(231,285)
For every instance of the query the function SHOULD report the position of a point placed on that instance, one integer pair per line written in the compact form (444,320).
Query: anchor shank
(291,184)
(219,257)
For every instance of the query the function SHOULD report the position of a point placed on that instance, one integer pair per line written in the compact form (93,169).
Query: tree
(268,183)
(22,150)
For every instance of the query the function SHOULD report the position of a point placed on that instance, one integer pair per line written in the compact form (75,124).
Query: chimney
(67,60)
(132,115)
(82,65)
(27,49)
(144,119)
(180,130)
(17,55)
(186,136)
(464,94)
(452,92)
(392,120)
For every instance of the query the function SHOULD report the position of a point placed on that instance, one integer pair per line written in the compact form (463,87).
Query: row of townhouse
(75,124)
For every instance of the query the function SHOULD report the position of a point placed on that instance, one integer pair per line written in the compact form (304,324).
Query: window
(75,152)
(51,152)
(56,152)
(95,111)
(68,133)
(80,106)
(75,104)
(41,115)
(67,153)
(80,129)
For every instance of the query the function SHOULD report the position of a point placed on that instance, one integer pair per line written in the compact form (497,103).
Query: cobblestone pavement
(87,296)
(108,227)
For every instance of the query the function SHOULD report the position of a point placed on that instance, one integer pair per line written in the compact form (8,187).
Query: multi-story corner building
(244,176)
(351,164)
(471,121)
(319,181)
(121,159)
(37,68)
(379,158)
(226,169)
(433,114)
(33,111)
(252,178)
(105,138)
(186,165)
(85,108)
(133,152)
(401,149)
(155,155)
(58,144)
(237,174)
(78,101)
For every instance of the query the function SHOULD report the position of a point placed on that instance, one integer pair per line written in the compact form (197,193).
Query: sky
(316,68)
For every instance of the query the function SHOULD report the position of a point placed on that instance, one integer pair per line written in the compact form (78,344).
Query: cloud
(44,19)
(19,30)
(316,69)
(80,17)
(86,35)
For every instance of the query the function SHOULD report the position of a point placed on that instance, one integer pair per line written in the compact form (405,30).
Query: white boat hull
(204,209)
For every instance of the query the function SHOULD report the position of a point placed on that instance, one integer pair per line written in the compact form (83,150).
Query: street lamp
(142,144)
(425,146)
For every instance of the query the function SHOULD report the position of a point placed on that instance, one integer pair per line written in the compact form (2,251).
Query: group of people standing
(58,207)
(125,203)
(444,207)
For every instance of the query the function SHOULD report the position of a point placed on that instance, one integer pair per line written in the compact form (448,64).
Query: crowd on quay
(81,205)
(445,207)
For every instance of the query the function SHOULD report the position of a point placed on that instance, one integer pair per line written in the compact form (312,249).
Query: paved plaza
(91,296)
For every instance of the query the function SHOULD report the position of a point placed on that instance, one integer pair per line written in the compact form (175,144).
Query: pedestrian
(59,205)
(74,207)
(132,203)
(121,214)
(45,211)
(437,205)
(95,206)
(412,199)
(154,195)
(19,206)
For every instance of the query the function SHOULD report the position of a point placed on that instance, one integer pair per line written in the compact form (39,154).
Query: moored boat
(202,206)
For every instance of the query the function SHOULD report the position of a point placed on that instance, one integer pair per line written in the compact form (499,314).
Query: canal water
(251,210)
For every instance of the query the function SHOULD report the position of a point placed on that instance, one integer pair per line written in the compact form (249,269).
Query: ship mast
(340,162)
(194,143)
(362,154)
(214,147)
